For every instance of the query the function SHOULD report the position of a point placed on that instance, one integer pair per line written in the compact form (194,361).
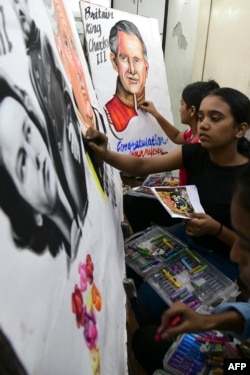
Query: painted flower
(90,330)
(86,300)
(96,297)
(77,306)
(89,268)
(83,276)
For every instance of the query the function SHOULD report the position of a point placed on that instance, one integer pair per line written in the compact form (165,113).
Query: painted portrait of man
(129,59)
(127,70)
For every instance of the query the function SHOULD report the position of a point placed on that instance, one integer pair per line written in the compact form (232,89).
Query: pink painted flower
(90,330)
(83,276)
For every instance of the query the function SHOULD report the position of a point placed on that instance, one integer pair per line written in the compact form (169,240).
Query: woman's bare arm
(192,321)
(136,166)
(172,132)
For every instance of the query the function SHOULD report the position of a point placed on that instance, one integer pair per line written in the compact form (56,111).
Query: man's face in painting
(130,63)
(72,65)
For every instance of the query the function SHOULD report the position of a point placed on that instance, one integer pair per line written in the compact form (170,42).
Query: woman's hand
(98,142)
(149,107)
(190,321)
(201,224)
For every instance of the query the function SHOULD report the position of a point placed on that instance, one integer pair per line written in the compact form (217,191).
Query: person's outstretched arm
(136,166)
(172,132)
(191,321)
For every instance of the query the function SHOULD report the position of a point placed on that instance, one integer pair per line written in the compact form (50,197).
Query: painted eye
(21,164)
(27,132)
(123,58)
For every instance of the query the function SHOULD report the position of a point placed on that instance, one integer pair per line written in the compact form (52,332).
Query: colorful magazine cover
(179,201)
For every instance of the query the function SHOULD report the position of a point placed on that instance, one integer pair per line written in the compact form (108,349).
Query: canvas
(62,261)
(127,68)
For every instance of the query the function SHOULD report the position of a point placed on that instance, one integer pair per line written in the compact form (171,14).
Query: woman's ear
(193,111)
(241,130)
(38,219)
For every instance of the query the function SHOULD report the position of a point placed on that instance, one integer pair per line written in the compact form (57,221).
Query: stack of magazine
(154,180)
(179,201)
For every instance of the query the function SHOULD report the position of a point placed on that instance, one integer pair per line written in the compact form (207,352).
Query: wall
(228,45)
(180,48)
(223,44)
(207,39)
